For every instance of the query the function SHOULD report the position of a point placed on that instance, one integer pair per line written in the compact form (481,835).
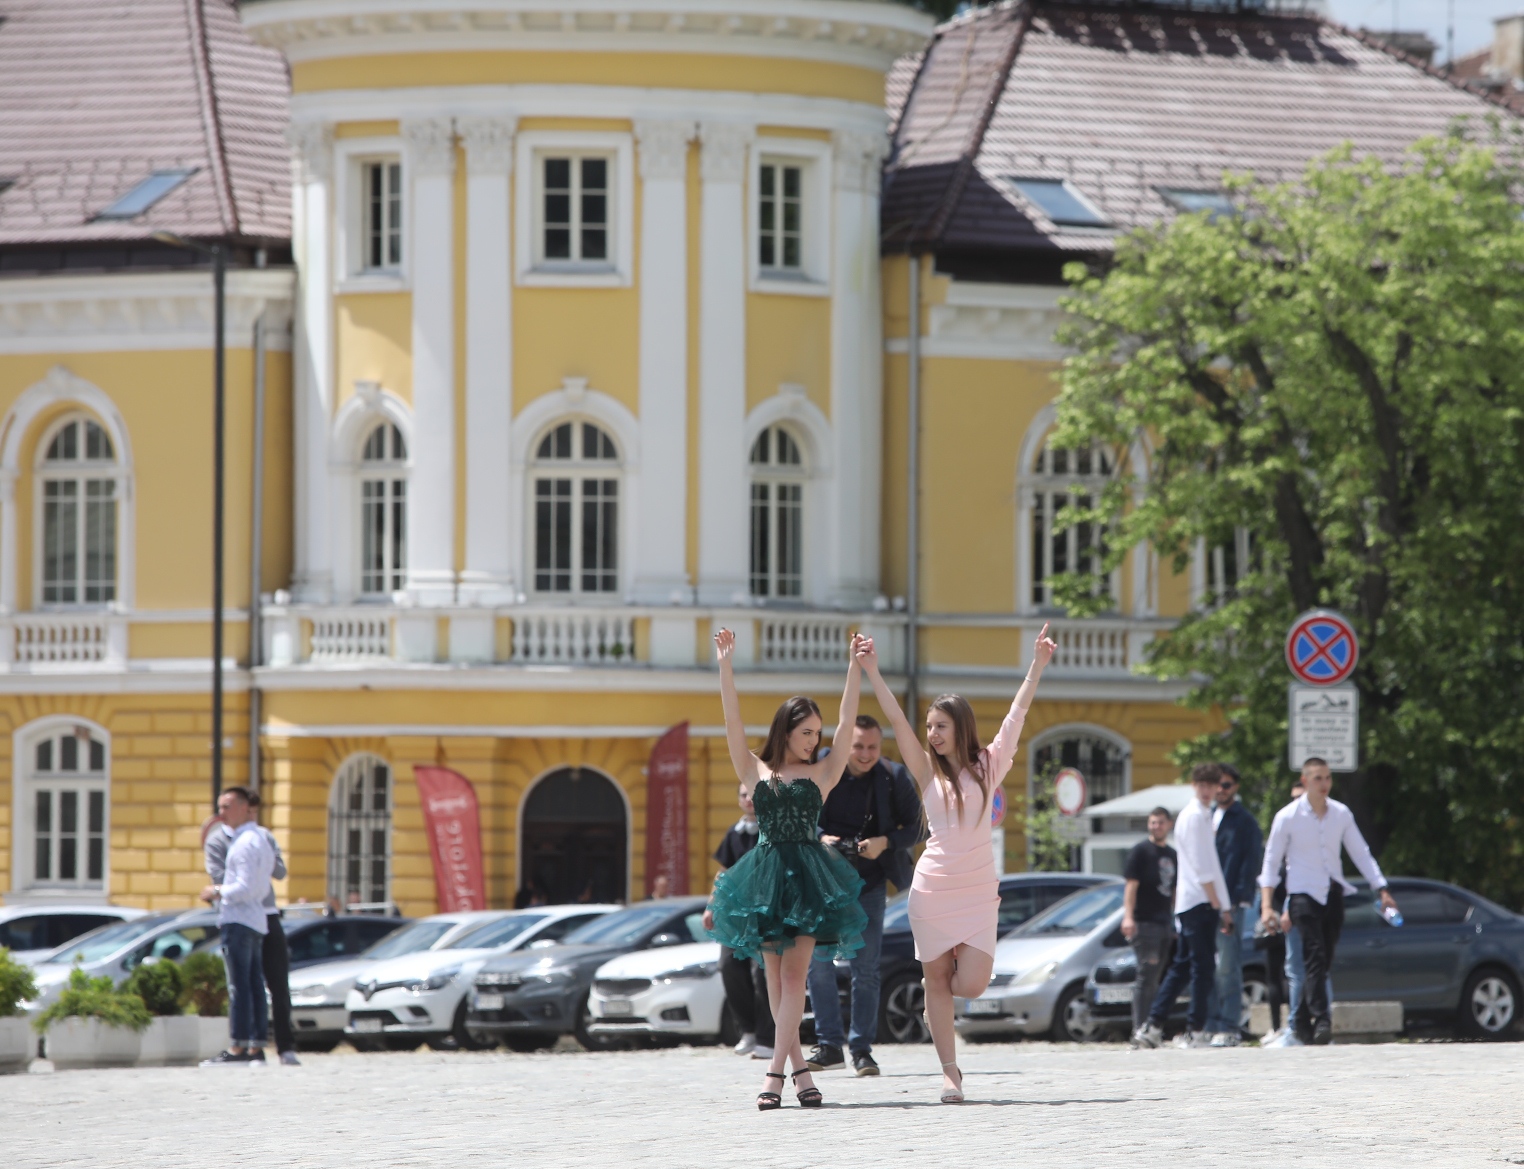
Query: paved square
(1440,1104)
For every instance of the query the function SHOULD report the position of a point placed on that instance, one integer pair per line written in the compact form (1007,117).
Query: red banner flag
(667,812)
(455,838)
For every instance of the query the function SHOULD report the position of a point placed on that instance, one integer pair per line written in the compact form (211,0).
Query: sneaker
(747,1045)
(1148,1036)
(226,1059)
(256,1057)
(1322,1033)
(864,1064)
(1225,1039)
(1191,1039)
(761,1051)
(826,1057)
(288,1059)
(1284,1038)
(1270,1036)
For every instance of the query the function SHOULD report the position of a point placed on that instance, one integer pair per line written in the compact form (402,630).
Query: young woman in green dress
(790,899)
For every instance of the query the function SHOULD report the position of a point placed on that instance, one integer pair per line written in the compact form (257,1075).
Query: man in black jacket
(875,804)
(1240,849)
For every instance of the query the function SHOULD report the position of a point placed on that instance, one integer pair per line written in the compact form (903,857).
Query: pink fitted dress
(955,896)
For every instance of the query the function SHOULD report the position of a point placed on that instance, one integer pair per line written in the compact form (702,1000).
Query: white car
(423,995)
(30,932)
(668,992)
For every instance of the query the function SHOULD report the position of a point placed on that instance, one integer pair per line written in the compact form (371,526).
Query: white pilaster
(312,357)
(722,547)
(491,572)
(661,528)
(856,367)
(431,490)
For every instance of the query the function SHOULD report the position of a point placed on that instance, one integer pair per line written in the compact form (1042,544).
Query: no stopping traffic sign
(1321,648)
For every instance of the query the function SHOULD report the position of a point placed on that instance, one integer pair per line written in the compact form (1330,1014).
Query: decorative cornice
(664,148)
(723,157)
(430,146)
(488,143)
(312,145)
(858,159)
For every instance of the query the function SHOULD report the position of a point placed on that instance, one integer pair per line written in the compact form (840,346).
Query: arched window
(1061,477)
(1225,564)
(77,497)
(777,515)
(360,833)
(1100,758)
(574,835)
(383,512)
(64,805)
(576,511)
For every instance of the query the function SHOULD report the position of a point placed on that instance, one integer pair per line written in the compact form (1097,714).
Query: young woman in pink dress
(955,896)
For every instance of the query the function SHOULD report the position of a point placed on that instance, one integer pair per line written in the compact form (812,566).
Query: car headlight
(1038,974)
(1001,980)
(434,981)
(316,991)
(552,977)
(697,970)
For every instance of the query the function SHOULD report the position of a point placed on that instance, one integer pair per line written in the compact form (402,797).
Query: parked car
(311,940)
(671,992)
(1040,970)
(531,998)
(424,994)
(118,949)
(29,932)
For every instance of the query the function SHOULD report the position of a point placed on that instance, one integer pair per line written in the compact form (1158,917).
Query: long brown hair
(965,755)
(785,720)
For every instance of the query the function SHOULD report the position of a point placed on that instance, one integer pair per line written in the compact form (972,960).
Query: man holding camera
(873,817)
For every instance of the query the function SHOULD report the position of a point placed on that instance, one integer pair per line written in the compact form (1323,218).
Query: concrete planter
(211,1035)
(88,1043)
(18,1043)
(1357,1022)
(171,1039)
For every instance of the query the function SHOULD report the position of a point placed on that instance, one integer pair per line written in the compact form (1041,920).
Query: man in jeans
(1239,847)
(1200,905)
(241,917)
(1147,910)
(876,804)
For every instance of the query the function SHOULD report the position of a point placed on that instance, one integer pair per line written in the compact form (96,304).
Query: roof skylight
(146,193)
(1192,201)
(1060,202)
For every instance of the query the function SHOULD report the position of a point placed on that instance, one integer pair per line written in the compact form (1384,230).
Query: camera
(847,846)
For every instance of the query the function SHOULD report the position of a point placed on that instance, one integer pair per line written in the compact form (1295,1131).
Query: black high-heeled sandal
(767,1101)
(808,1097)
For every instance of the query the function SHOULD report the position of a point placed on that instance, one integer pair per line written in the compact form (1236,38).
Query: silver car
(1040,971)
(118,950)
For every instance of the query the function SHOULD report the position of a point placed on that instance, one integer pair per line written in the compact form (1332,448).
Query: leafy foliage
(159,984)
(1338,369)
(16,984)
(96,998)
(205,982)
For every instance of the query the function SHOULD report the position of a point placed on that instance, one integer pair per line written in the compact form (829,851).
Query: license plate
(367,1025)
(489,1002)
(618,1007)
(984,1006)
(1113,994)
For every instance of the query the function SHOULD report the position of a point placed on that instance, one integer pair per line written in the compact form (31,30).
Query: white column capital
(312,144)
(430,146)
(664,148)
(489,144)
(858,154)
(723,159)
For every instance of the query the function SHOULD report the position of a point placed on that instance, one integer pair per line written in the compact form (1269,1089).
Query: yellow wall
(374,343)
(592,333)
(788,339)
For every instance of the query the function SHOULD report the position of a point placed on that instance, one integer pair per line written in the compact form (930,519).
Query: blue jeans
(1195,957)
(823,996)
(248,1013)
(1296,975)
(1225,1011)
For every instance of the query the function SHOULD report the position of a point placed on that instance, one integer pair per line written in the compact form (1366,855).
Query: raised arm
(916,760)
(746,763)
(1002,750)
(828,770)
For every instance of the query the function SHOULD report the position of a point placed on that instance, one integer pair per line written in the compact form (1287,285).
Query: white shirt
(246,879)
(1196,848)
(1309,845)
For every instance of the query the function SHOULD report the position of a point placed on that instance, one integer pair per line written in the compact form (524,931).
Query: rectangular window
(575,210)
(600,505)
(42,828)
(1058,549)
(95,865)
(100,541)
(780,218)
(553,535)
(761,538)
(383,535)
(777,539)
(790,538)
(1226,565)
(383,215)
(60,542)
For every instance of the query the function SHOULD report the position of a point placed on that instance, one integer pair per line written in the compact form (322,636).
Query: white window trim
(119,476)
(623,534)
(23,739)
(791,408)
(356,418)
(350,276)
(1068,730)
(529,146)
(391,816)
(815,271)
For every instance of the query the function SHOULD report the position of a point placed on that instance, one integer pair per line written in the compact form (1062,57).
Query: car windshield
(1079,913)
(107,940)
(620,929)
(496,933)
(410,939)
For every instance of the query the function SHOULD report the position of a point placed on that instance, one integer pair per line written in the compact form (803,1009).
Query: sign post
(1322,714)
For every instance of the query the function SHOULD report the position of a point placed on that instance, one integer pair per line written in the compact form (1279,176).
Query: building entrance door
(575,838)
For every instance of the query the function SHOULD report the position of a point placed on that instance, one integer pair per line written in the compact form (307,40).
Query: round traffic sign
(1322,647)
(1069,791)
(997,807)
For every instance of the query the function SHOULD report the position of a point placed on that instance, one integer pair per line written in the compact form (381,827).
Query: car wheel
(1489,1005)
(1072,1020)
(468,1038)
(1255,992)
(901,1011)
(529,1042)
(580,1029)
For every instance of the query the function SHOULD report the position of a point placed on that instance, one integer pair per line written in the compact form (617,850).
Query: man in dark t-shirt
(1148,908)
(745,984)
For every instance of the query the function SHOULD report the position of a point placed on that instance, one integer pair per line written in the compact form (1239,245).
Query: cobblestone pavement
(1441,1104)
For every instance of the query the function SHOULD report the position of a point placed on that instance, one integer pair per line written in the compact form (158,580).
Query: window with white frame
(77,498)
(383,511)
(575,202)
(1226,564)
(576,511)
(380,215)
(1100,759)
(777,515)
(1064,477)
(360,833)
(64,802)
(780,217)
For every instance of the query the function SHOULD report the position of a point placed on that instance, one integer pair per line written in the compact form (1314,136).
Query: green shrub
(16,984)
(159,984)
(96,998)
(206,984)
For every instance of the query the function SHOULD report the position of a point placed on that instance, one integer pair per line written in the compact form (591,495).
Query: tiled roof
(1123,103)
(95,95)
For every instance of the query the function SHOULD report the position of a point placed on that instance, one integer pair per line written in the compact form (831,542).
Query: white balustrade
(1092,648)
(803,643)
(351,636)
(574,638)
(65,639)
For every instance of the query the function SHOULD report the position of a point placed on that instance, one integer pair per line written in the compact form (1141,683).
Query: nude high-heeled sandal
(954,1095)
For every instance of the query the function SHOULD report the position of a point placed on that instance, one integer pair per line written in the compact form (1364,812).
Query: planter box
(171,1039)
(212,1035)
(1351,1020)
(89,1043)
(18,1043)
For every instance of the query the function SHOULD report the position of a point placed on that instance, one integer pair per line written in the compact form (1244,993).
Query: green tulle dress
(790,884)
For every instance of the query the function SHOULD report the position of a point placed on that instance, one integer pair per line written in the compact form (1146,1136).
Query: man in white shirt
(1202,907)
(1308,835)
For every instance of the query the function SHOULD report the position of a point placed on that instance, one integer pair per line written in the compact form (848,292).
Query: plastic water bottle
(1392,914)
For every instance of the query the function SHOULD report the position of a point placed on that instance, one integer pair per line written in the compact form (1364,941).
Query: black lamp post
(218,255)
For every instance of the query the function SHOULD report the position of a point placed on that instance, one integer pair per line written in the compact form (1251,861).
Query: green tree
(1337,369)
